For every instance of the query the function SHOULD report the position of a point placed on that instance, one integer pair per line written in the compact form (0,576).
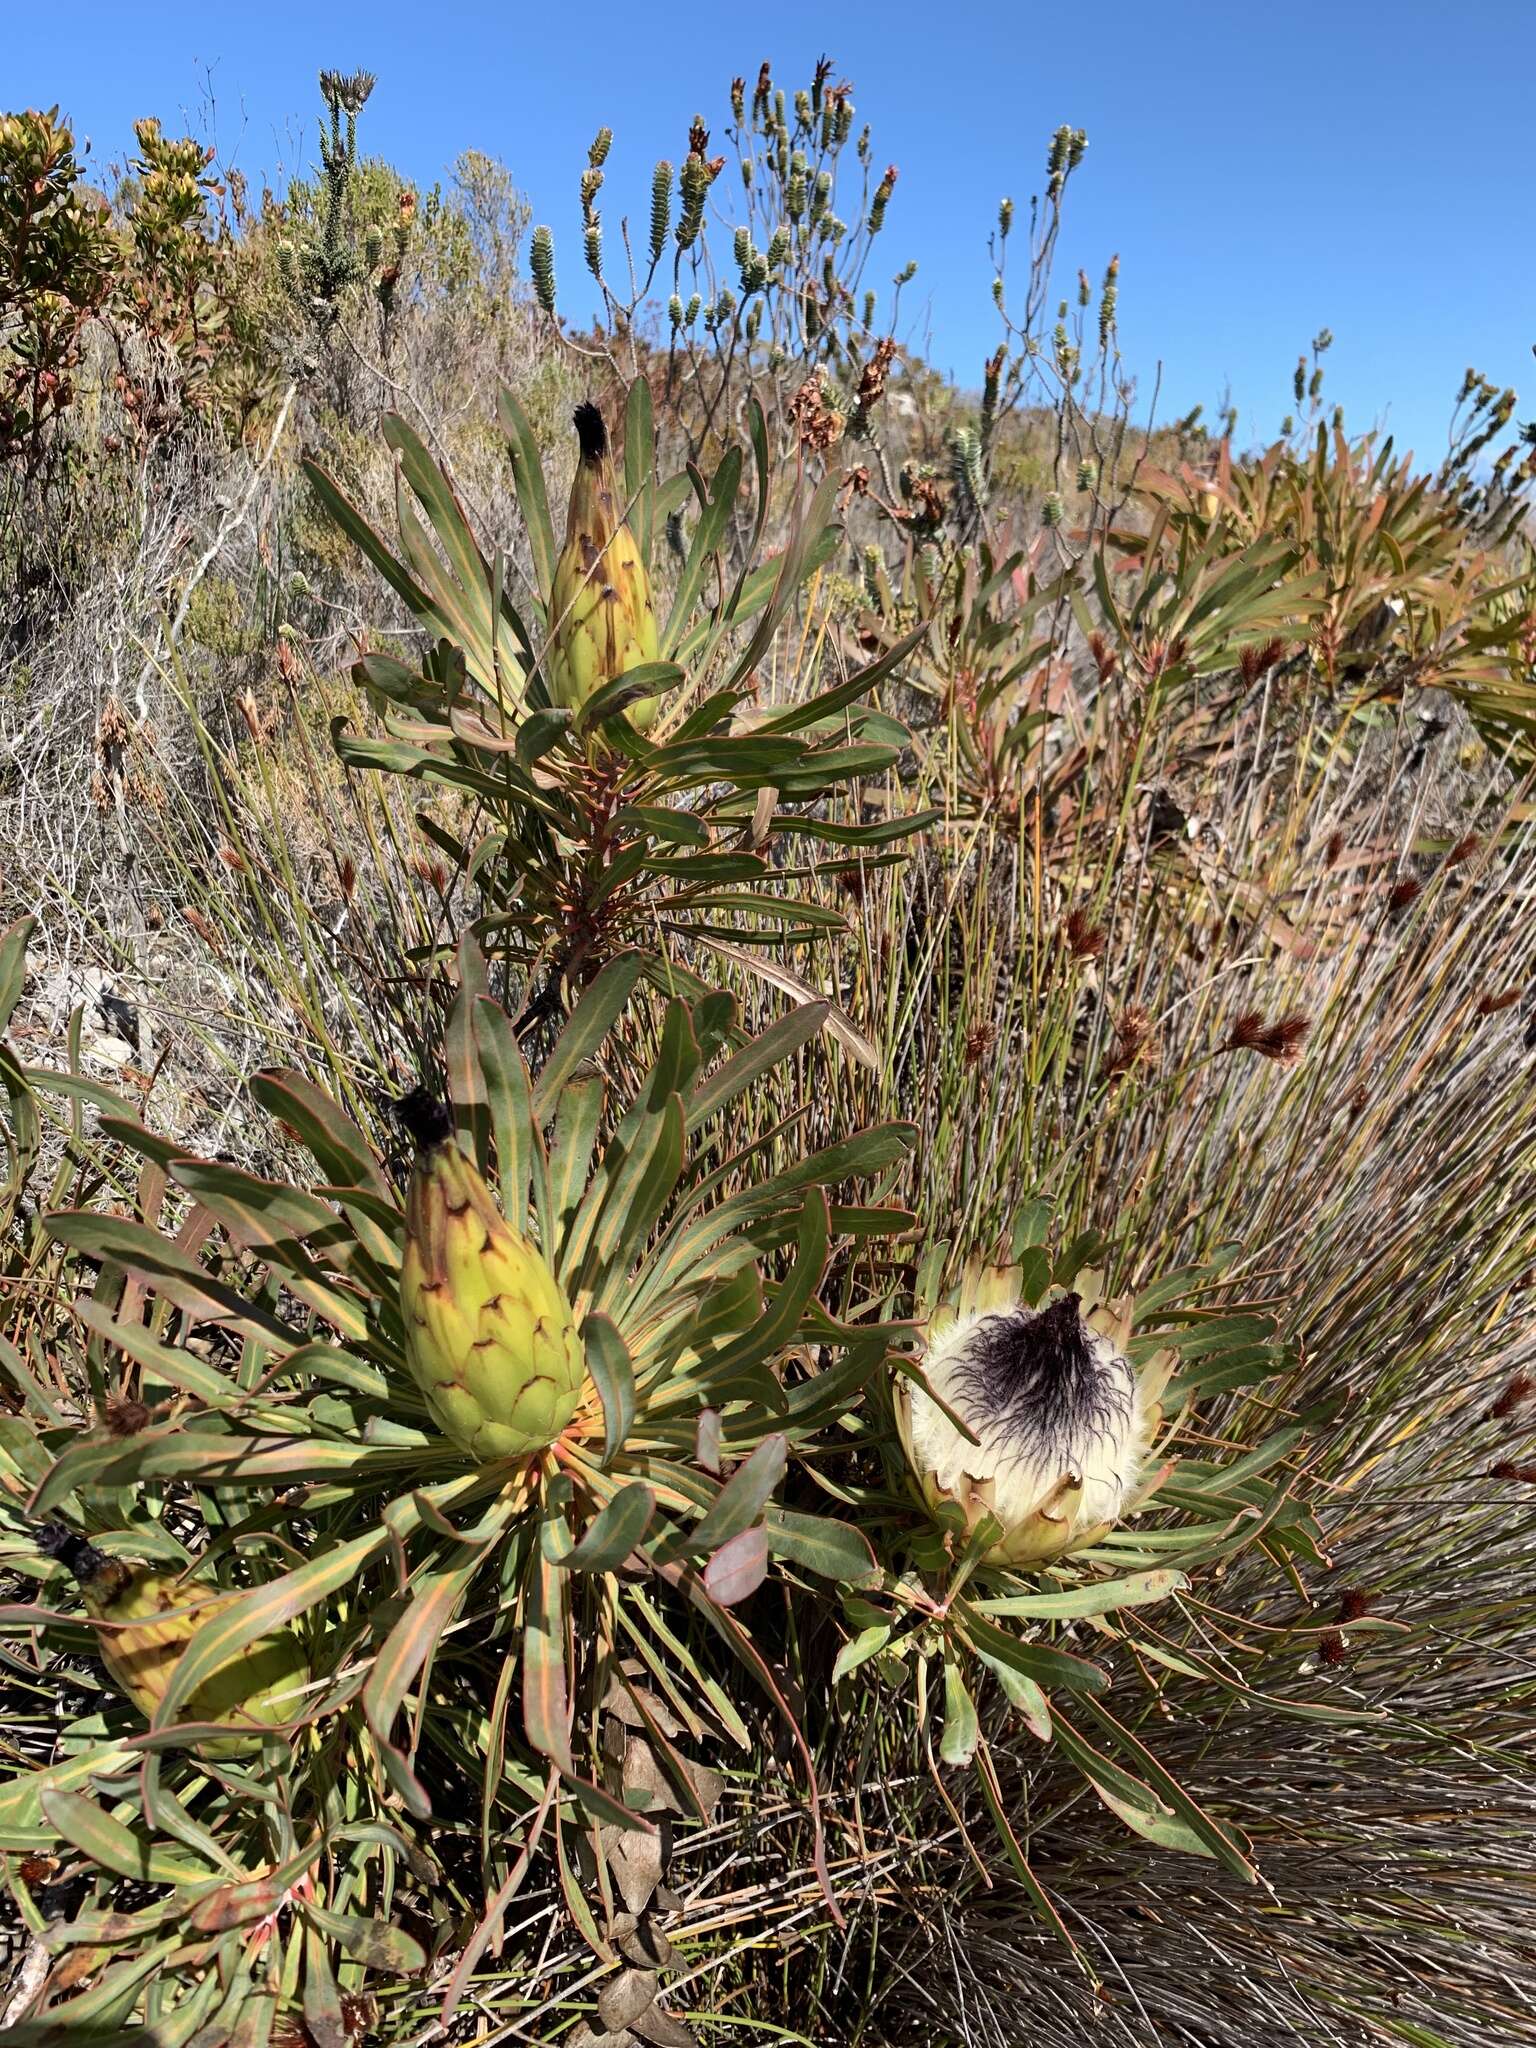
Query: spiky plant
(1292,1041)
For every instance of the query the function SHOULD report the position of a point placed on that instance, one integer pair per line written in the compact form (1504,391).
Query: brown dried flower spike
(1518,1391)
(1278,1041)
(1085,940)
(1134,1041)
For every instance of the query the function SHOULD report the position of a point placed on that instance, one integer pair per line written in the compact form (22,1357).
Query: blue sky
(1261,172)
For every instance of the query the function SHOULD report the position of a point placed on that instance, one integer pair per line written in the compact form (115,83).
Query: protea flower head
(149,1618)
(489,1334)
(1062,1420)
(601,609)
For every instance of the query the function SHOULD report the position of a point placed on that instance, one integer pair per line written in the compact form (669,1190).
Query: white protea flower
(1062,1420)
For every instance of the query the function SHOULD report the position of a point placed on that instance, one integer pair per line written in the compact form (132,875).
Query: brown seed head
(1280,1040)
(1519,1390)
(1254,662)
(125,1416)
(1085,940)
(1403,892)
(979,1043)
(1134,1042)
(1490,1005)
(1105,658)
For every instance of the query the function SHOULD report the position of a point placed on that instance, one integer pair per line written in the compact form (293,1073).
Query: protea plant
(599,761)
(528,1439)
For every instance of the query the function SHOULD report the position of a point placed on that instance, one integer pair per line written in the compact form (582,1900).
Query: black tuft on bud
(591,432)
(82,1560)
(425,1117)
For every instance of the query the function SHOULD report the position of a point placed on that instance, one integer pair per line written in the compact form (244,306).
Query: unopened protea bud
(602,142)
(604,622)
(489,1335)
(1053,511)
(1062,1423)
(592,245)
(148,1619)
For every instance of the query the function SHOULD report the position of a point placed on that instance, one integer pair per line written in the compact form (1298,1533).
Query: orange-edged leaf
(412,1640)
(342,1152)
(739,1503)
(509,1096)
(373,1943)
(614,1532)
(546,1697)
(613,1374)
(97,1834)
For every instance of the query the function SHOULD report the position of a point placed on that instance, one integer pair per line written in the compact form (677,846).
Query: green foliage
(1047,871)
(58,259)
(594,838)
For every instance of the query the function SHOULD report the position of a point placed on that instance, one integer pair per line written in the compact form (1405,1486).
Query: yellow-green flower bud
(489,1334)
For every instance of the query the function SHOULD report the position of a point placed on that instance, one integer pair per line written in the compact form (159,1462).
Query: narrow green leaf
(739,1503)
(962,1730)
(528,481)
(13,964)
(588,1025)
(613,1533)
(545,1692)
(613,1374)
(114,1847)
